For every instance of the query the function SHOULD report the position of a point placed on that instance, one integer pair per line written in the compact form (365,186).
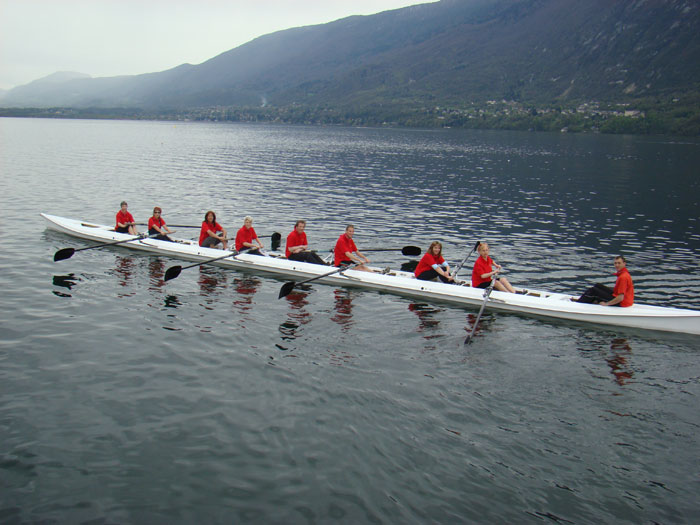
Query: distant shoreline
(504,115)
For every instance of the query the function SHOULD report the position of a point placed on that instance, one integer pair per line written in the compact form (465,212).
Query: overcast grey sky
(128,37)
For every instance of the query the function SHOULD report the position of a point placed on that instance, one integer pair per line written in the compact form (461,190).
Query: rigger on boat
(530,302)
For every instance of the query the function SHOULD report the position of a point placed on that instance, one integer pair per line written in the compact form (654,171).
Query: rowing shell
(531,302)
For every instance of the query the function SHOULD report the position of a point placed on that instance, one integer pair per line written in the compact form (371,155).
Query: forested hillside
(533,64)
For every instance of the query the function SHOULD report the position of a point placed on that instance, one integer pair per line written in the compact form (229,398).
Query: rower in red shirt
(297,247)
(483,271)
(125,221)
(247,238)
(621,295)
(346,252)
(212,234)
(433,265)
(157,227)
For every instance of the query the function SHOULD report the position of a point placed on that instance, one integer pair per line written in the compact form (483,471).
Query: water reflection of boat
(124,269)
(343,308)
(156,269)
(298,302)
(426,315)
(210,282)
(297,316)
(617,361)
(245,288)
(483,324)
(530,302)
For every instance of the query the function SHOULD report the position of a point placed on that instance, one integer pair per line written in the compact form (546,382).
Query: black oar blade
(172,272)
(410,250)
(276,240)
(476,245)
(286,289)
(65,253)
(409,266)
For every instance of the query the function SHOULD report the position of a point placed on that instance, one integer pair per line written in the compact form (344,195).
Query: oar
(276,239)
(409,266)
(290,285)
(487,292)
(174,271)
(173,225)
(67,253)
(459,266)
(406,250)
(275,236)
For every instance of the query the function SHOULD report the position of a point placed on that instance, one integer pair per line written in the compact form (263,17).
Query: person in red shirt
(125,221)
(346,252)
(621,295)
(157,227)
(433,266)
(297,246)
(484,271)
(247,238)
(212,234)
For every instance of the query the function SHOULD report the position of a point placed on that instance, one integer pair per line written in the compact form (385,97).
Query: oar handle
(459,266)
(405,250)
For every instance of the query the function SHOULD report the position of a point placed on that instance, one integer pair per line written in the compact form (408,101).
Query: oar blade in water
(64,253)
(172,272)
(410,250)
(286,289)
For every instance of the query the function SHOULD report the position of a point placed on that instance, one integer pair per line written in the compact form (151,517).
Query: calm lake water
(206,399)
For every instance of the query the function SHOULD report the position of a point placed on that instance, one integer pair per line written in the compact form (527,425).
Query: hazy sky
(127,37)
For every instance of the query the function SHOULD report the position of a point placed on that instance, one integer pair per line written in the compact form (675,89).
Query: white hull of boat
(534,302)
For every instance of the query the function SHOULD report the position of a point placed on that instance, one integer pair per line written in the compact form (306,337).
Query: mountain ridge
(450,53)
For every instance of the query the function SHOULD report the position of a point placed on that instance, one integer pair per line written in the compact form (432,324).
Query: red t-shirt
(124,217)
(294,239)
(426,263)
(481,267)
(624,285)
(245,235)
(344,244)
(155,222)
(204,232)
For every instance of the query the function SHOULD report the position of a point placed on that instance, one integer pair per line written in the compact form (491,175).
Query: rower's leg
(508,286)
(503,285)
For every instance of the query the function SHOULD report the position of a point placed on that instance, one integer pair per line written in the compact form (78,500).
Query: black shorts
(122,229)
(485,284)
(432,274)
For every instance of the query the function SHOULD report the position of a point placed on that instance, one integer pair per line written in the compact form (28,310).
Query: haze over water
(207,399)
